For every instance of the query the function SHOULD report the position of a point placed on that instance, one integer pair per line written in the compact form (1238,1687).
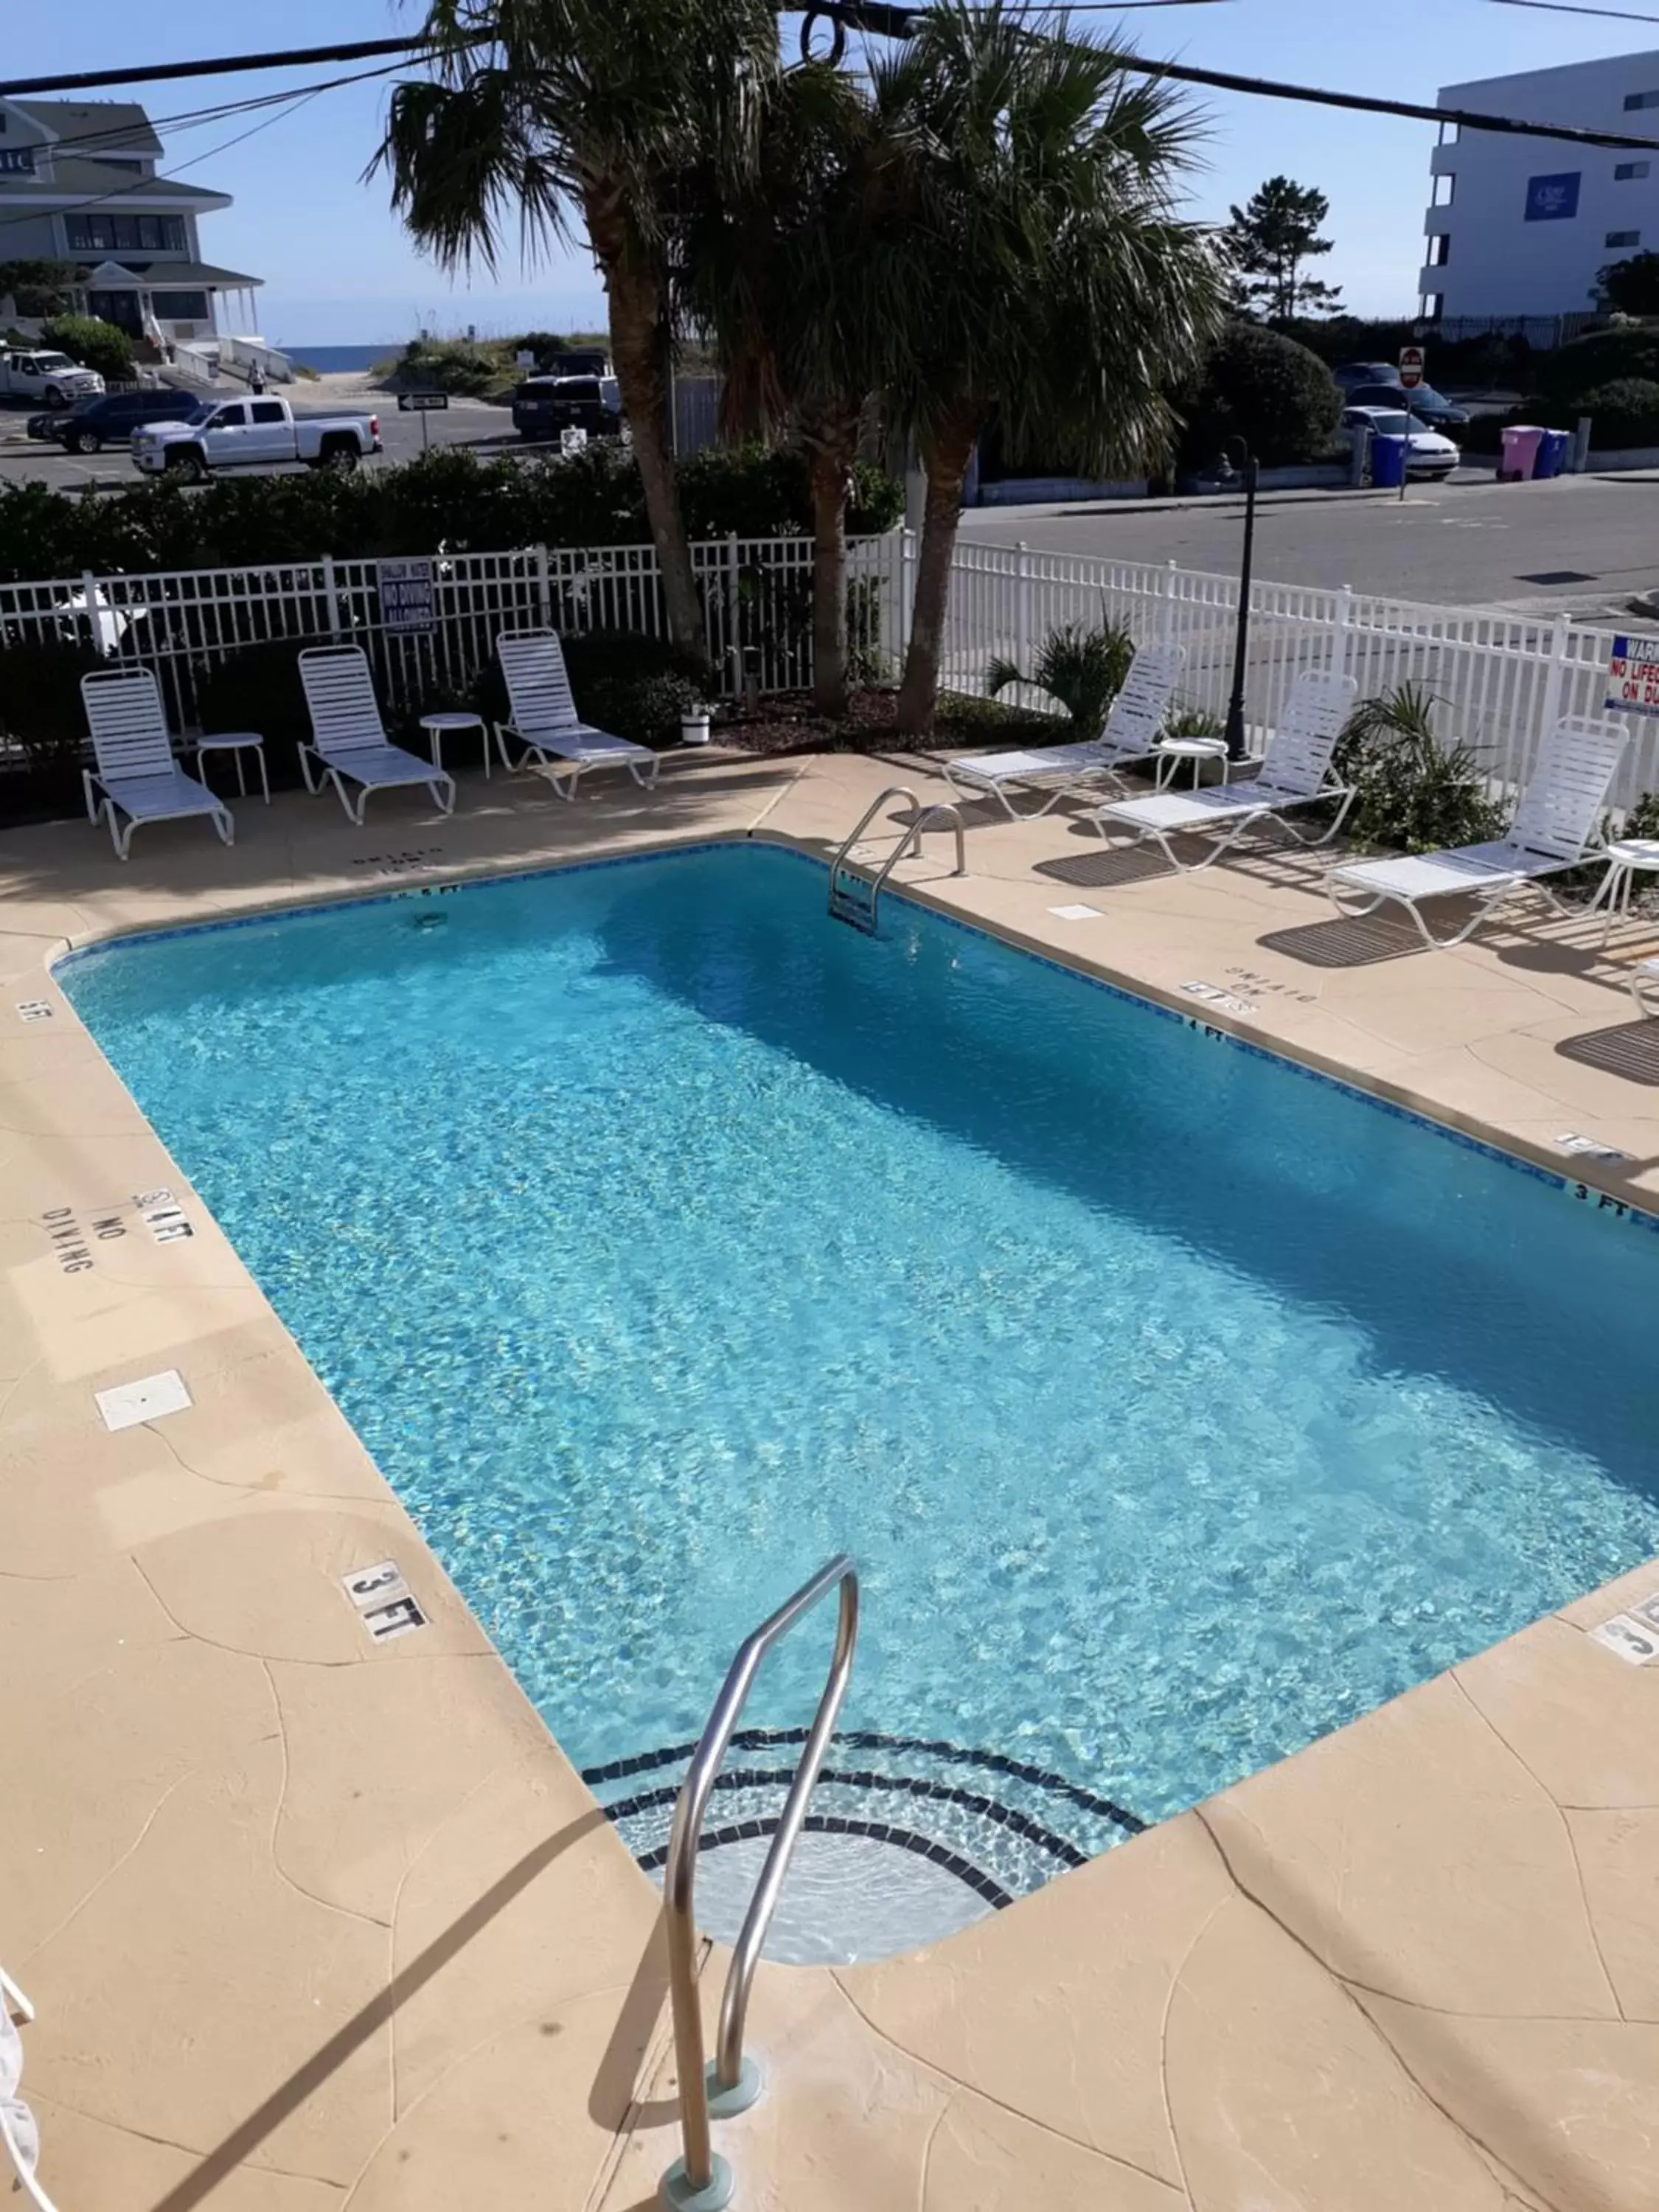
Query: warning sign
(1411,366)
(1633,677)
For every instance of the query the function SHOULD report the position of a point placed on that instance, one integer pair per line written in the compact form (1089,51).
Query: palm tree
(549,115)
(1044,274)
(781,276)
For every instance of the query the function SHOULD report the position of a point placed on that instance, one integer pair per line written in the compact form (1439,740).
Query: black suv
(544,406)
(111,420)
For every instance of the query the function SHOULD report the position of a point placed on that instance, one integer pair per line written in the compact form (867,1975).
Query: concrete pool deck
(311,1922)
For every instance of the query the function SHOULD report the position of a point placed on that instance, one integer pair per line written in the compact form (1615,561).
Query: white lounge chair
(348,738)
(1645,989)
(1554,829)
(542,715)
(20,2133)
(1131,733)
(137,775)
(1295,771)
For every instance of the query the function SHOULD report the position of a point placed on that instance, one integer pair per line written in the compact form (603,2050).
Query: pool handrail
(938,816)
(693,2175)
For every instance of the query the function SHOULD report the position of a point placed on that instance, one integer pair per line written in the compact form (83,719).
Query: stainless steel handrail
(699,2175)
(922,819)
(929,817)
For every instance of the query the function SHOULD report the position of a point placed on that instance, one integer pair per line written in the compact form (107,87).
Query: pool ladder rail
(699,2180)
(855,897)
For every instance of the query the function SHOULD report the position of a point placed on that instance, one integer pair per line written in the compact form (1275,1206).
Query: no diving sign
(1633,677)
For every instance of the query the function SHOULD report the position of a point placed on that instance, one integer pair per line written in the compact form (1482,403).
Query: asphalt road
(464,422)
(1581,542)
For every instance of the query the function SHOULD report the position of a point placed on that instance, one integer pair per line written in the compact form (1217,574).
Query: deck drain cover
(125,1405)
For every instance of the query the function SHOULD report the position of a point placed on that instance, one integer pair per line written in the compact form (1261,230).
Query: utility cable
(888,22)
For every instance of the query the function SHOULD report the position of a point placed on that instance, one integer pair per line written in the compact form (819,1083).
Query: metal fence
(1502,680)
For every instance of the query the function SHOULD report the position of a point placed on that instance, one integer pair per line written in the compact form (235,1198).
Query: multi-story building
(79,184)
(1520,227)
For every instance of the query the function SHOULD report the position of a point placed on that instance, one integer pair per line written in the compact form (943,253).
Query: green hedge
(449,497)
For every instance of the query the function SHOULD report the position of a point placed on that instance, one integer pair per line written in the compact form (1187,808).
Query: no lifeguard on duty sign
(1633,676)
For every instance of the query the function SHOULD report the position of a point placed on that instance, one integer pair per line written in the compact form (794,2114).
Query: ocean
(326,357)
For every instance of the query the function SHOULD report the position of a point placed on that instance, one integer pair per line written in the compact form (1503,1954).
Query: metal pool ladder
(700,2180)
(855,897)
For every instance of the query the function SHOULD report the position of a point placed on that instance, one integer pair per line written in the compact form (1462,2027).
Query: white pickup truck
(237,434)
(39,373)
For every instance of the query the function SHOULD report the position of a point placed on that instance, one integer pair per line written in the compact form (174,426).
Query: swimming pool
(660,1238)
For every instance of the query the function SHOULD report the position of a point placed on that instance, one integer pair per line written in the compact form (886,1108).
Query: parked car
(39,373)
(110,419)
(1422,399)
(544,406)
(235,433)
(1428,454)
(1351,374)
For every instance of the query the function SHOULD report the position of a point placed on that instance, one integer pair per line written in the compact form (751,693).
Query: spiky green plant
(1082,669)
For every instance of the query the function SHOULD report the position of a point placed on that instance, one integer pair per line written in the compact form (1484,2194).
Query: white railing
(757,598)
(1502,679)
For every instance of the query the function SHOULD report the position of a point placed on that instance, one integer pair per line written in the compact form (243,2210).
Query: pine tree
(1268,242)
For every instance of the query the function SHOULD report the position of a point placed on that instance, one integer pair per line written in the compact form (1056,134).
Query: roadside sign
(1411,366)
(408,596)
(1633,677)
(422,403)
(571,438)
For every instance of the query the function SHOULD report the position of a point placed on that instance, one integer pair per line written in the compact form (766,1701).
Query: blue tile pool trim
(1601,1202)
(833,1824)
(756,1739)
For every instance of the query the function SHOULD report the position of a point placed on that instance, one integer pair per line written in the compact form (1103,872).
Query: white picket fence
(1503,679)
(757,595)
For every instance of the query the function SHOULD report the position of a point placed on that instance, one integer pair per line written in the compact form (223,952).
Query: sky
(338,270)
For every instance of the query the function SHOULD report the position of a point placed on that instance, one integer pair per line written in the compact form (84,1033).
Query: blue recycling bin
(1388,461)
(1554,448)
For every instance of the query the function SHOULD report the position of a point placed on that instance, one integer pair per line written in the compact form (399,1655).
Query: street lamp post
(1248,467)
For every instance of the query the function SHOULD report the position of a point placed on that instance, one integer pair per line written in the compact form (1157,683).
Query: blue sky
(338,270)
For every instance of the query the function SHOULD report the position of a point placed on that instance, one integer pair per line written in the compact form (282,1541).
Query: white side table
(438,727)
(1170,754)
(239,742)
(1626,858)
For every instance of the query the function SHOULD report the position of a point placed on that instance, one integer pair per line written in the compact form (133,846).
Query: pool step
(1002,1826)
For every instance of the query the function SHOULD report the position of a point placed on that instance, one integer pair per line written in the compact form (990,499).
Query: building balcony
(1442,161)
(1438,222)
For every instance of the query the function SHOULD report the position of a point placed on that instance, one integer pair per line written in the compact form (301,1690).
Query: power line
(221,65)
(294,101)
(889,21)
(1564,8)
(893,22)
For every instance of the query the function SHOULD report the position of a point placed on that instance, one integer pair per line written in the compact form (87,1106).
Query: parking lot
(471,423)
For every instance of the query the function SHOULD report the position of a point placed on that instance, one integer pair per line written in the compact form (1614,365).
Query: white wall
(1502,263)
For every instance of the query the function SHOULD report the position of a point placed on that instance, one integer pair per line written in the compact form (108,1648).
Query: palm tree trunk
(828,586)
(639,349)
(946,460)
(830,439)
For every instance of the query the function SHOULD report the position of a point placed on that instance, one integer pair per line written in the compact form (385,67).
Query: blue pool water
(660,1238)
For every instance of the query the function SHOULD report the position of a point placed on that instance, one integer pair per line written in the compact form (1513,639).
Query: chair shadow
(1106,867)
(1629,1050)
(1344,941)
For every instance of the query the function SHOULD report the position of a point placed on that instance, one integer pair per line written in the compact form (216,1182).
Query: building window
(1623,238)
(1440,249)
(1641,99)
(125,233)
(1626,173)
(179,307)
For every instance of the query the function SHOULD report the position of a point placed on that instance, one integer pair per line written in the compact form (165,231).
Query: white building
(80,183)
(1519,227)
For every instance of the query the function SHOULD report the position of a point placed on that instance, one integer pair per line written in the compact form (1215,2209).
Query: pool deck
(311,1922)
